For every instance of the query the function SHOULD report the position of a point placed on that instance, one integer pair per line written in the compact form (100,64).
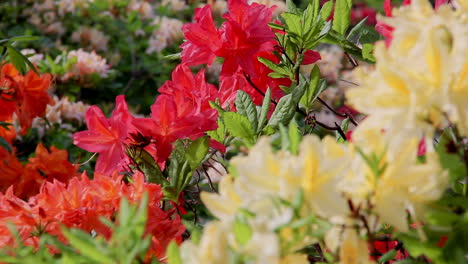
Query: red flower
(106,136)
(383,246)
(203,39)
(181,111)
(310,57)
(244,33)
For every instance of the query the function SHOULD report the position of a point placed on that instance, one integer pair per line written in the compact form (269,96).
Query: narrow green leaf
(196,152)
(86,245)
(246,107)
(238,126)
(294,138)
(356,28)
(20,61)
(284,137)
(342,16)
(390,255)
(274,67)
(174,56)
(17,60)
(264,110)
(344,126)
(276,26)
(309,93)
(4,144)
(24,38)
(322,86)
(216,106)
(326,10)
(173,254)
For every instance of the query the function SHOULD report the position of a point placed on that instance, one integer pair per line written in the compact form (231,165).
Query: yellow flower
(353,249)
(323,165)
(423,76)
(407,185)
(213,247)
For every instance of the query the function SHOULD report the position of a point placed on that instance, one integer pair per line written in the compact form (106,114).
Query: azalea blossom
(26,96)
(107,136)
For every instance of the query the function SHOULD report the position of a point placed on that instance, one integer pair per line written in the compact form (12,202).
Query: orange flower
(52,164)
(11,169)
(24,95)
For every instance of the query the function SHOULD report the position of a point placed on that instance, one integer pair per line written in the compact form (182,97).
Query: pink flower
(106,136)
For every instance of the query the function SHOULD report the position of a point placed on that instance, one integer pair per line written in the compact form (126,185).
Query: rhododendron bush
(308,132)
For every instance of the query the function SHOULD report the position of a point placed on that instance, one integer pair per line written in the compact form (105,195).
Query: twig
(351,59)
(345,115)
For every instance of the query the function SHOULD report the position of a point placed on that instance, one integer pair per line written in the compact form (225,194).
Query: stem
(345,115)
(352,60)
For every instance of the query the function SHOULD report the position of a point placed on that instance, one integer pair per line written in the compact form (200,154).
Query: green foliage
(341,17)
(239,126)
(185,159)
(246,107)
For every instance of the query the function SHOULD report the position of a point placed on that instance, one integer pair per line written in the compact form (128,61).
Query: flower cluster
(80,204)
(420,79)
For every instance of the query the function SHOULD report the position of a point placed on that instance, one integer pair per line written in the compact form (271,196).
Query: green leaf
(264,110)
(220,133)
(292,7)
(24,38)
(293,23)
(341,18)
(367,52)
(307,98)
(276,26)
(146,164)
(390,255)
(322,86)
(283,112)
(239,126)
(448,156)
(174,56)
(4,144)
(173,254)
(216,106)
(326,10)
(356,28)
(247,108)
(242,230)
(274,67)
(294,138)
(20,61)
(87,245)
(197,151)
(344,126)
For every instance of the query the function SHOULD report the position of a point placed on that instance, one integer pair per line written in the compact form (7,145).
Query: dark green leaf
(246,107)
(307,98)
(264,110)
(4,144)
